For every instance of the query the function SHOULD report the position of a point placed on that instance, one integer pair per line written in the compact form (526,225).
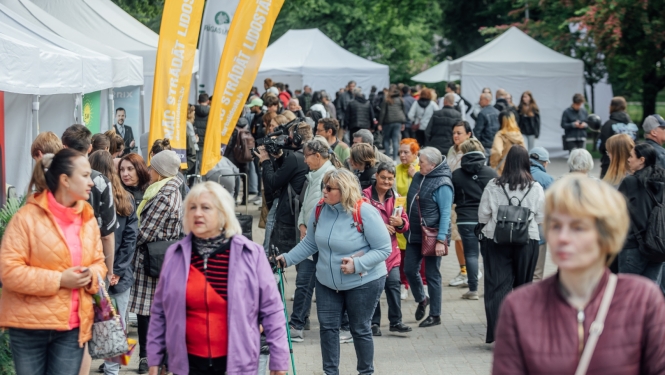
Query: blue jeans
(631,261)
(360,303)
(432,274)
(45,351)
(391,133)
(263,364)
(471,251)
(302,299)
(270,224)
(122,301)
(393,299)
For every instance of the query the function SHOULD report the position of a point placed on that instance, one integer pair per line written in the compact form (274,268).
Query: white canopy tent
(437,73)
(309,57)
(516,62)
(109,25)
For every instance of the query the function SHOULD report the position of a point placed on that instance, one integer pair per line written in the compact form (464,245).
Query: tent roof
(34,66)
(515,53)
(315,51)
(437,73)
(127,68)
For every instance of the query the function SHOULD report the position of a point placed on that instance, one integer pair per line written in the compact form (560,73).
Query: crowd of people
(315,168)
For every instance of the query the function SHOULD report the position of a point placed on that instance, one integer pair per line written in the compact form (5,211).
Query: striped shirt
(214,266)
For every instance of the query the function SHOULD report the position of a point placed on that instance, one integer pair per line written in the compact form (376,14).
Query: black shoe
(422,306)
(400,328)
(143,366)
(430,321)
(101,369)
(376,330)
(306,328)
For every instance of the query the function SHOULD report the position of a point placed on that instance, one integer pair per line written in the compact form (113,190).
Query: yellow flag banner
(178,35)
(245,44)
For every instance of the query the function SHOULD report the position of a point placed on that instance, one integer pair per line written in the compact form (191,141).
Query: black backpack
(652,245)
(512,225)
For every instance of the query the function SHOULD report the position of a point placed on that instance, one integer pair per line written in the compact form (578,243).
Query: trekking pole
(286,313)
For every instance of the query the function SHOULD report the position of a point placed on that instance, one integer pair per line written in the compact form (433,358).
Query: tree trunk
(593,98)
(650,90)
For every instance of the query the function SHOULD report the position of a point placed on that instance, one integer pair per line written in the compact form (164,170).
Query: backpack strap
(317,212)
(357,217)
(518,200)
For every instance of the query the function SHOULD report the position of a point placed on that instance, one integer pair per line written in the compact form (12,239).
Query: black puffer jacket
(439,132)
(470,181)
(606,131)
(359,114)
(639,201)
(201,122)
(529,125)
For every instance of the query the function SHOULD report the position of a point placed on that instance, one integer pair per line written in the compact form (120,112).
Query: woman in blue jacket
(351,269)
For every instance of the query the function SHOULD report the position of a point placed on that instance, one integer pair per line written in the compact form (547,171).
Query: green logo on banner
(222,18)
(91,113)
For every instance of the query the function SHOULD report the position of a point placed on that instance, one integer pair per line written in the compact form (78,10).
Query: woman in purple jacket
(206,315)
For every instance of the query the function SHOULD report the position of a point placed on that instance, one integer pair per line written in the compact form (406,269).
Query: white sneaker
(293,297)
(345,337)
(480,274)
(314,296)
(459,280)
(404,294)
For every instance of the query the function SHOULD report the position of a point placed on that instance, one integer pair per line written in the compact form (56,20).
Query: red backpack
(357,218)
(242,150)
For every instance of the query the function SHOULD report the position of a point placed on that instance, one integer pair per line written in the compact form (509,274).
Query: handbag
(430,246)
(597,326)
(108,334)
(153,256)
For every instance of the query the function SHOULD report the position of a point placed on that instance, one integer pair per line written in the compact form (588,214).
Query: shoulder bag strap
(597,326)
(420,215)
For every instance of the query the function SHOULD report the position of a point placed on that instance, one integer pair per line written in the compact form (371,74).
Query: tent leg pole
(111,109)
(35,114)
(143,127)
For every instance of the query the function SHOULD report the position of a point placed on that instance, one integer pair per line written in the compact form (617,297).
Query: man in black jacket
(487,123)
(305,99)
(654,132)
(439,132)
(618,123)
(124,131)
(201,112)
(503,103)
(343,102)
(573,121)
(359,113)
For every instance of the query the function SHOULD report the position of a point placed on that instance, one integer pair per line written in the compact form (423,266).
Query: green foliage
(6,363)
(148,12)
(7,212)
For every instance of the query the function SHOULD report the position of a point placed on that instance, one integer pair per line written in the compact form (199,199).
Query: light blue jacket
(335,237)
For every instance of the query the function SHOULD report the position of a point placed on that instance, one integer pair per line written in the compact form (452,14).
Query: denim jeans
(302,300)
(529,141)
(391,134)
(45,351)
(360,303)
(270,223)
(432,274)
(632,261)
(393,299)
(263,364)
(122,301)
(471,251)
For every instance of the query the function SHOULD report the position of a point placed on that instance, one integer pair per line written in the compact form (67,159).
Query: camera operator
(284,174)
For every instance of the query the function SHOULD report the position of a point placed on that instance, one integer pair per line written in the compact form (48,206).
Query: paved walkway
(457,346)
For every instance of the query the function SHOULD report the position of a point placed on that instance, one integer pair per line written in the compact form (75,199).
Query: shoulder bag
(153,256)
(430,246)
(597,326)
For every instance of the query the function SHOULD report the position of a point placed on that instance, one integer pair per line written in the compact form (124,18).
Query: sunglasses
(329,188)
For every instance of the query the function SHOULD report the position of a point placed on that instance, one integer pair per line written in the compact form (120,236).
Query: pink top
(70,223)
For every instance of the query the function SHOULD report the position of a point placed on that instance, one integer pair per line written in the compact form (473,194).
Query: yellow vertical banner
(178,35)
(245,44)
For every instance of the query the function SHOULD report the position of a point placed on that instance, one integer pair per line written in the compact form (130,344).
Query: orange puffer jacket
(32,258)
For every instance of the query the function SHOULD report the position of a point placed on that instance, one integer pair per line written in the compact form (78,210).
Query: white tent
(437,73)
(108,24)
(517,63)
(309,57)
(127,68)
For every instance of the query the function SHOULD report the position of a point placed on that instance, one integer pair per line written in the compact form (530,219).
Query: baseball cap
(540,154)
(652,122)
(256,102)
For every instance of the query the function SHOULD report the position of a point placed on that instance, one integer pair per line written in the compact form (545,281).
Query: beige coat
(502,144)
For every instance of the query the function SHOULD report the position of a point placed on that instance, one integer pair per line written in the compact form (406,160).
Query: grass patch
(635,111)
(589,147)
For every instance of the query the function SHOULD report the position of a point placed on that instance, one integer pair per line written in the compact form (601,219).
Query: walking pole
(286,313)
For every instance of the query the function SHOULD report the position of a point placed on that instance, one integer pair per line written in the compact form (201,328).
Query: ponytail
(47,171)
(335,160)
(38,179)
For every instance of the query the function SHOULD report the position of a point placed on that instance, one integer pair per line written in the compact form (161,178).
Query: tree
(148,12)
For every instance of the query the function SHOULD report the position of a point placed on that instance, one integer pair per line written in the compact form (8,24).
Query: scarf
(150,193)
(207,246)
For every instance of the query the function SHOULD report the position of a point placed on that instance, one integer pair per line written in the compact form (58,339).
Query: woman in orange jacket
(49,262)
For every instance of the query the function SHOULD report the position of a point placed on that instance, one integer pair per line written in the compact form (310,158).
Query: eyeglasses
(329,188)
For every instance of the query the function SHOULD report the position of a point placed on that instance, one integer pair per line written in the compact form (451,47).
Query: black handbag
(512,223)
(153,256)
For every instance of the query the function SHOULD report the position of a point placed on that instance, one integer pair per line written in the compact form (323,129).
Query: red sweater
(537,332)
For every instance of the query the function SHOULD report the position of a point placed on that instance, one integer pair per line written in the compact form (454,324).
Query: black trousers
(205,366)
(144,323)
(506,268)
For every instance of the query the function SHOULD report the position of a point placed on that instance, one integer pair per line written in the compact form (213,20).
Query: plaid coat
(161,220)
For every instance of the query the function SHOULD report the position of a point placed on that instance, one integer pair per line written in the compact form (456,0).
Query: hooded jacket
(469,182)
(33,256)
(359,114)
(639,202)
(200,122)
(568,118)
(386,210)
(540,175)
(502,144)
(606,131)
(439,132)
(421,112)
(487,125)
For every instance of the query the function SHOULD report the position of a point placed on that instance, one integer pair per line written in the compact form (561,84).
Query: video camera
(280,139)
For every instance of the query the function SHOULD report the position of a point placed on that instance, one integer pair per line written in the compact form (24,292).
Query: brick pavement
(457,346)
